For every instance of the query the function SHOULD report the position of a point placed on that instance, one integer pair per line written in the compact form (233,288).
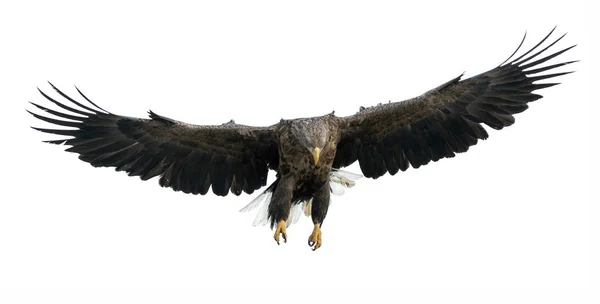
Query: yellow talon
(280,231)
(314,240)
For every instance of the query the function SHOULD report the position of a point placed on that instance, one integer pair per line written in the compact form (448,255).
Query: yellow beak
(316,152)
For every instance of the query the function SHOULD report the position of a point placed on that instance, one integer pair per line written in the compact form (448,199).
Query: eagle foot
(314,240)
(280,231)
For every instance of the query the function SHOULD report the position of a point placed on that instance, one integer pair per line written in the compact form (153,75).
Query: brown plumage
(304,152)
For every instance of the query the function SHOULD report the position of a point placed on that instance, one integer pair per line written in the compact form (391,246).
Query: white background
(511,221)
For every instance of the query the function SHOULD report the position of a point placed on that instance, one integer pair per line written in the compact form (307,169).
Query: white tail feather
(336,189)
(307,207)
(344,178)
(256,201)
(338,181)
(295,214)
(262,216)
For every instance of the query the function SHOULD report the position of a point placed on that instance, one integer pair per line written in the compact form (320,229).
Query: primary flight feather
(306,153)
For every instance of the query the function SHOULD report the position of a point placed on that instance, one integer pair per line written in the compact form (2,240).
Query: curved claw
(280,231)
(314,240)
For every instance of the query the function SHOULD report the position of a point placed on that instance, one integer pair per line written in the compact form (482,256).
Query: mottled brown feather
(189,158)
(443,121)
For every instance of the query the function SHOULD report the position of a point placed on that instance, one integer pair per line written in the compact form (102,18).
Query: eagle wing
(188,158)
(445,120)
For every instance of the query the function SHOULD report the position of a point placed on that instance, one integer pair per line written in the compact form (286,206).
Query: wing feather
(446,120)
(188,158)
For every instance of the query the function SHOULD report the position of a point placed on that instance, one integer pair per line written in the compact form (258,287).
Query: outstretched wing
(445,120)
(188,158)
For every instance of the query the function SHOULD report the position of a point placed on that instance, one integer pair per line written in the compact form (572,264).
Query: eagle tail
(338,181)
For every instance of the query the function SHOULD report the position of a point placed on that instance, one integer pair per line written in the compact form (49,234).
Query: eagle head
(311,134)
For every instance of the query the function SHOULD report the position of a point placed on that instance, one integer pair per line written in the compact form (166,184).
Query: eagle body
(299,174)
(306,153)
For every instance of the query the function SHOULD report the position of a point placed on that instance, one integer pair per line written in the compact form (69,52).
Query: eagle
(306,153)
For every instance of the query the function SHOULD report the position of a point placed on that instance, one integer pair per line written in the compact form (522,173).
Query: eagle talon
(280,231)
(314,240)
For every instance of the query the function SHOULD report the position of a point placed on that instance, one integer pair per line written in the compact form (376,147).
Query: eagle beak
(316,152)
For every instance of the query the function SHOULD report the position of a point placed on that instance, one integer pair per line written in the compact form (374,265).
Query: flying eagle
(306,153)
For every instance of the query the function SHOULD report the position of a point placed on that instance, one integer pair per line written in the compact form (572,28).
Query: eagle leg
(279,207)
(320,205)
(314,240)
(280,231)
